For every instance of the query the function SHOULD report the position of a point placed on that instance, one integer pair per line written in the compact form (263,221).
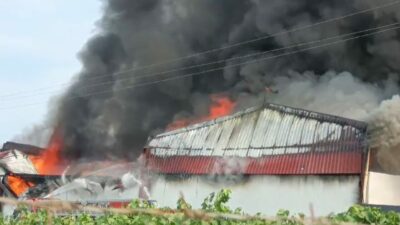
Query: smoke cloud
(341,94)
(385,132)
(103,115)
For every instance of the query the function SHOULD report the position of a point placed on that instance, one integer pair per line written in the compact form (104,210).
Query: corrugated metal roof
(15,161)
(24,148)
(278,136)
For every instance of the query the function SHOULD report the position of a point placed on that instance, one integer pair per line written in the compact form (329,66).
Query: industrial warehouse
(192,112)
(271,157)
(286,158)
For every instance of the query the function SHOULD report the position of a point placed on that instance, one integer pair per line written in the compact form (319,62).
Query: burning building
(31,173)
(272,157)
(24,166)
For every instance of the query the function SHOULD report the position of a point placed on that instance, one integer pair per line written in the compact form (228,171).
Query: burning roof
(15,161)
(271,139)
(27,149)
(35,174)
(19,168)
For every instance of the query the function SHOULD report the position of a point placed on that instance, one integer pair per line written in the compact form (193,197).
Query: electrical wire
(217,49)
(218,61)
(214,69)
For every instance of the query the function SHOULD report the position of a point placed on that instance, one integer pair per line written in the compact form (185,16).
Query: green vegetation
(214,211)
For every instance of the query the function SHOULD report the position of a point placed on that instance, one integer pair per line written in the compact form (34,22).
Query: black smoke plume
(104,115)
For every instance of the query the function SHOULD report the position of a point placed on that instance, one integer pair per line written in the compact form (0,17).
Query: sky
(39,43)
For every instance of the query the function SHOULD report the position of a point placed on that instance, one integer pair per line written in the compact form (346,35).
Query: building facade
(272,157)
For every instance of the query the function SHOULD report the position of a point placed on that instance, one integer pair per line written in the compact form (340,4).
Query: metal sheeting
(258,132)
(272,139)
(295,164)
(24,148)
(15,161)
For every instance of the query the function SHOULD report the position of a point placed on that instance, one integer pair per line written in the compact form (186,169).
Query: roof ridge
(272,106)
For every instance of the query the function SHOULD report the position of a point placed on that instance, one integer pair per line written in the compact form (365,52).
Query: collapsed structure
(271,156)
(21,178)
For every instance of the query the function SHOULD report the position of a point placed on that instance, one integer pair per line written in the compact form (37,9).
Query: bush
(214,204)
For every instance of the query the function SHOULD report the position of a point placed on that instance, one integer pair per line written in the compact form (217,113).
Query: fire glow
(18,185)
(50,161)
(221,106)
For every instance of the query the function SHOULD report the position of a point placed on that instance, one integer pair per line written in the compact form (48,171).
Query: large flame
(221,106)
(50,161)
(18,185)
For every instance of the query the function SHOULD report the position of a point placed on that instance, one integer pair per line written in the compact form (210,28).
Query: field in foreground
(213,211)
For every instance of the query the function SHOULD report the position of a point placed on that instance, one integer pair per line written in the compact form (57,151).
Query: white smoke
(38,135)
(384,123)
(340,94)
(346,95)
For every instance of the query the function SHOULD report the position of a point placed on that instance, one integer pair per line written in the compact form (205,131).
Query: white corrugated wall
(266,194)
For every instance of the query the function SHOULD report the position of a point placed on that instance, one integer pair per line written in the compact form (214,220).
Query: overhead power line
(29,95)
(296,29)
(216,69)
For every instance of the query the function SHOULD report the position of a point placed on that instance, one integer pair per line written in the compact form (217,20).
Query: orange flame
(221,106)
(50,161)
(18,185)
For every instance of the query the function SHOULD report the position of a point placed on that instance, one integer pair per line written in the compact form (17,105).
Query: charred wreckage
(23,177)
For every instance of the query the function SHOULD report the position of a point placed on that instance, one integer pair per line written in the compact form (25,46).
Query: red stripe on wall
(290,164)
